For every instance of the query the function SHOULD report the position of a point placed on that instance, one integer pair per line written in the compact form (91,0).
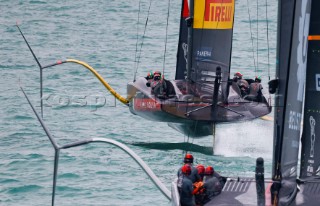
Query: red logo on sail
(218,10)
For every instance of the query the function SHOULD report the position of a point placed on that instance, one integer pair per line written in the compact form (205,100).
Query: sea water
(76,106)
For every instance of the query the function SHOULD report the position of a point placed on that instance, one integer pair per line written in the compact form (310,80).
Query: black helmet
(257,79)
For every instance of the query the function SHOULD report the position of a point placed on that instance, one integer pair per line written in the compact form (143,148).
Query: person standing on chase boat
(185,186)
(194,176)
(212,185)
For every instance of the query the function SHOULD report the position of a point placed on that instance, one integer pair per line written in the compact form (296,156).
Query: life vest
(198,188)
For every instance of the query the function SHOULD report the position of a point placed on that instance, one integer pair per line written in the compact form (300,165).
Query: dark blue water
(77,106)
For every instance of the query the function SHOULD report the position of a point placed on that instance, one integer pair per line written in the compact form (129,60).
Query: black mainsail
(212,29)
(309,183)
(310,160)
(285,27)
(294,17)
(212,43)
(181,68)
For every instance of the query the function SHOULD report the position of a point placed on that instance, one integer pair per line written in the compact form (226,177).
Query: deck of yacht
(235,192)
(238,192)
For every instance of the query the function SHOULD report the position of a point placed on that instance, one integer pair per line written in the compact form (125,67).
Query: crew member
(194,176)
(242,83)
(198,190)
(212,185)
(221,179)
(158,85)
(201,171)
(255,90)
(149,79)
(185,186)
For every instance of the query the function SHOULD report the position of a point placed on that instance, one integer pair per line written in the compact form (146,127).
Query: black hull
(187,108)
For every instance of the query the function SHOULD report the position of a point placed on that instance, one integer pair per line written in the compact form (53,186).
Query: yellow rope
(110,89)
(267,118)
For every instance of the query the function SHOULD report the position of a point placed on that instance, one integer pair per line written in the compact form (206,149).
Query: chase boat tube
(130,152)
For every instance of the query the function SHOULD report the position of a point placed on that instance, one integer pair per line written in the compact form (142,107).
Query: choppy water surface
(77,106)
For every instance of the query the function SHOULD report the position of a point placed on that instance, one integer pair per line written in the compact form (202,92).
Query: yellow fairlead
(111,90)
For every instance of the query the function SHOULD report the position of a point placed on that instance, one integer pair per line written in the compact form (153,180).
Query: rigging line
(186,135)
(268,39)
(188,141)
(187,108)
(254,59)
(144,32)
(135,68)
(185,121)
(257,37)
(165,45)
(194,132)
(190,130)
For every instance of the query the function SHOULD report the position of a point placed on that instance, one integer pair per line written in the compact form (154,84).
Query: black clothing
(255,92)
(186,189)
(194,176)
(221,179)
(212,187)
